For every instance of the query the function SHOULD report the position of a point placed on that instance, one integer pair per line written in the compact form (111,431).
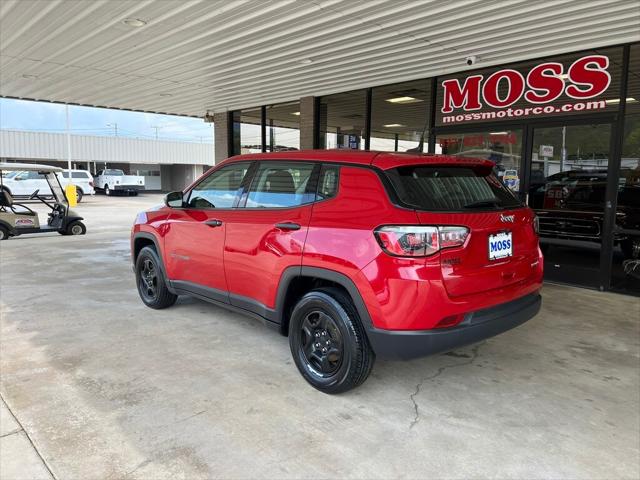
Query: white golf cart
(18,219)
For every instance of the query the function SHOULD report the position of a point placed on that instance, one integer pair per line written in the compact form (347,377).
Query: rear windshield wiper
(484,203)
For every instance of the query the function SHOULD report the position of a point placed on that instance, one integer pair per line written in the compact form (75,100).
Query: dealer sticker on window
(500,245)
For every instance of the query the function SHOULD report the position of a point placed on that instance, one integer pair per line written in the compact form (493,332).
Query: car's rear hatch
(502,246)
(469,269)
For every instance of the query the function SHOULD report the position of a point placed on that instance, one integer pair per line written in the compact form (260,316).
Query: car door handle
(214,223)
(288,226)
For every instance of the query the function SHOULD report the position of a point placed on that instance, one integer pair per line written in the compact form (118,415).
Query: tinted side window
(220,189)
(35,176)
(79,175)
(280,184)
(328,182)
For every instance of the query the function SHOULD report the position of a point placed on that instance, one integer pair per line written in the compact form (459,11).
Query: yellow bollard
(70,192)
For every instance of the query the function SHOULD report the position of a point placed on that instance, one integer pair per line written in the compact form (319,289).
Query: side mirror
(174,200)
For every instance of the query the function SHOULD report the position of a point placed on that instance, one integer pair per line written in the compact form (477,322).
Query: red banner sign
(585,79)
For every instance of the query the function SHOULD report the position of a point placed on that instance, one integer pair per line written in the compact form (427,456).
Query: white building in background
(166,165)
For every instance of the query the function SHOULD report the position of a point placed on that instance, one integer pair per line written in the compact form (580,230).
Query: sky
(50,117)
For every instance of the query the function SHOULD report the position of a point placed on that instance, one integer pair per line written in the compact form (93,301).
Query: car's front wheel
(107,190)
(328,343)
(150,281)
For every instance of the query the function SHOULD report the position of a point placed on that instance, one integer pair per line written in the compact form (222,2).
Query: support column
(223,132)
(308,123)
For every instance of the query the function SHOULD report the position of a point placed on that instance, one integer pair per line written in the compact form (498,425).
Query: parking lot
(104,387)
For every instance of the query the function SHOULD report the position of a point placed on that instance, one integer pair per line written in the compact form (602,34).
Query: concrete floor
(107,388)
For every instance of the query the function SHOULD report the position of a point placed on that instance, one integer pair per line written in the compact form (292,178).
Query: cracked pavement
(471,359)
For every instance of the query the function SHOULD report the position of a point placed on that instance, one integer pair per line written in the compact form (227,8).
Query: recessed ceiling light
(295,113)
(305,61)
(134,22)
(403,100)
(498,133)
(393,125)
(30,77)
(617,100)
(166,94)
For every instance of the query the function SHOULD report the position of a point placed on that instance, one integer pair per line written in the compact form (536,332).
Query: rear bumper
(476,326)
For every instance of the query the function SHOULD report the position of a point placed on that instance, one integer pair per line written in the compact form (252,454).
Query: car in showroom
(571,208)
(353,255)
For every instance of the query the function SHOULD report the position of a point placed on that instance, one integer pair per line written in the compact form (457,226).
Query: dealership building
(165,165)
(550,93)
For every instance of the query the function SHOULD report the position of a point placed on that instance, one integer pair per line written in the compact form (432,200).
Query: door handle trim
(288,226)
(213,223)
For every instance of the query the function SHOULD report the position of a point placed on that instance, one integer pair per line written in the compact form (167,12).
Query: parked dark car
(571,206)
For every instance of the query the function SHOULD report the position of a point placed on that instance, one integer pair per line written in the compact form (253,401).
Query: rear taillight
(536,224)
(418,240)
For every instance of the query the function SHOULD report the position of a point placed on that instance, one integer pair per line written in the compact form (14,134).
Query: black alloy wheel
(321,343)
(328,342)
(150,280)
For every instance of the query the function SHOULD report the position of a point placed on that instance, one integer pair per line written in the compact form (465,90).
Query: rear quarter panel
(340,236)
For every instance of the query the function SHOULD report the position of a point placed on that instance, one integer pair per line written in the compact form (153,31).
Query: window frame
(239,194)
(247,181)
(312,184)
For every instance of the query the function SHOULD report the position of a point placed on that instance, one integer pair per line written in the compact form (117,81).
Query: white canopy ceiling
(192,56)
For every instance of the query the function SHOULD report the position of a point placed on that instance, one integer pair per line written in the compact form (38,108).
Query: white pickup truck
(113,180)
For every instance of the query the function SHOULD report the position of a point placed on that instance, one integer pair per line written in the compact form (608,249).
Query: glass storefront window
(399,116)
(569,85)
(568,186)
(342,120)
(503,147)
(250,131)
(283,127)
(625,272)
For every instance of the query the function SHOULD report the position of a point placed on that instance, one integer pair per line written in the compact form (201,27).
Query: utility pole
(68,143)
(156,127)
(115,128)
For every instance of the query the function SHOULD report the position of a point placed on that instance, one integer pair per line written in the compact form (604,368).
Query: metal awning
(28,167)
(190,57)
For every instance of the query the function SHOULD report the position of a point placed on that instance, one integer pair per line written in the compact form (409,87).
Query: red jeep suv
(351,254)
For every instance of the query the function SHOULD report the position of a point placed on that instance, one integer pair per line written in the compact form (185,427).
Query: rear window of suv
(442,188)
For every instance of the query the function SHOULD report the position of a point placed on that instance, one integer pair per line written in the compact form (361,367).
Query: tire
(631,248)
(75,228)
(79,195)
(107,190)
(328,317)
(4,233)
(152,288)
